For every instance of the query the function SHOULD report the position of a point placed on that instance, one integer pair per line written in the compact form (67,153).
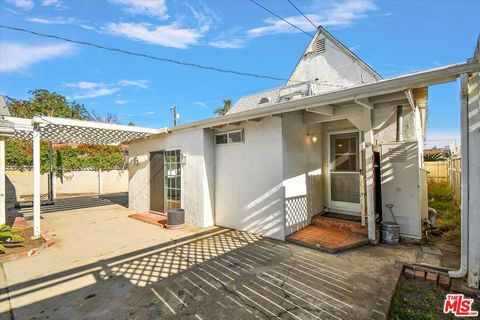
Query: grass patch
(418,300)
(440,197)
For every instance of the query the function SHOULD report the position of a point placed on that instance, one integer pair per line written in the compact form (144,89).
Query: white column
(3,211)
(369,184)
(100,182)
(473,181)
(36,181)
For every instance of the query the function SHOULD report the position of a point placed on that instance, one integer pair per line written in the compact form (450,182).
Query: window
(236,136)
(173,187)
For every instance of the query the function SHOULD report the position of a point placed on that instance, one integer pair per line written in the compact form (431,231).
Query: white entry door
(344,173)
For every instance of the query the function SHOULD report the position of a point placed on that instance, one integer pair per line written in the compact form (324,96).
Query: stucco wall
(197,180)
(302,171)
(333,68)
(248,183)
(387,117)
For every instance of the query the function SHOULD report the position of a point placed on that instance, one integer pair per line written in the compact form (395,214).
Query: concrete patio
(106,265)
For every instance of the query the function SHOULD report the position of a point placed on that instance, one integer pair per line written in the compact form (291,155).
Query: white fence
(19,183)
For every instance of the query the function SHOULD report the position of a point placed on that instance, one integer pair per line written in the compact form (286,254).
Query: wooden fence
(446,171)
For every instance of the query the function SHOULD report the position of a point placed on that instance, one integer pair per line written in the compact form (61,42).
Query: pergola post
(36,180)
(3,209)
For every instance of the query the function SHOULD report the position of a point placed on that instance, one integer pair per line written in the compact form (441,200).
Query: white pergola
(58,130)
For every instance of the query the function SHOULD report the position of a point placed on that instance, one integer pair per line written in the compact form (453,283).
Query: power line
(144,55)
(313,24)
(276,15)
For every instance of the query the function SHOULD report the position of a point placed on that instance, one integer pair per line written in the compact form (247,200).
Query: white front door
(344,173)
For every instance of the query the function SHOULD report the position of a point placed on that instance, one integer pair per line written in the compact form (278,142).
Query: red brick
(432,277)
(409,273)
(444,281)
(420,274)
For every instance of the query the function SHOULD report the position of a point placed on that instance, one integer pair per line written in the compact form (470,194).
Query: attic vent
(320,46)
(264,100)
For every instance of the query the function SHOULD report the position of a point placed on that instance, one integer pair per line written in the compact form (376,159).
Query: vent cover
(264,100)
(320,46)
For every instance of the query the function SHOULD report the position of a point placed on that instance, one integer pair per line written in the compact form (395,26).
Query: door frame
(338,206)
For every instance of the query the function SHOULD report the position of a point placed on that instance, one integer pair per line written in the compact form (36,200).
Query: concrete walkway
(131,271)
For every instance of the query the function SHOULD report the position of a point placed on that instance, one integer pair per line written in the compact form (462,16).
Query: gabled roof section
(325,65)
(322,31)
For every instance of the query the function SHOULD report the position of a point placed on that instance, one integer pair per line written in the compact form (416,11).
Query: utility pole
(176,116)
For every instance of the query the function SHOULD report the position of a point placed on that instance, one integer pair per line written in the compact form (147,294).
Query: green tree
(227,104)
(46,103)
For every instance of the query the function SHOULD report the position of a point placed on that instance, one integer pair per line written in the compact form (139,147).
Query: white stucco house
(336,139)
(270,174)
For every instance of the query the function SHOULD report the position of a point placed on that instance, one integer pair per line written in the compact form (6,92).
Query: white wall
(71,183)
(302,171)
(333,68)
(248,180)
(197,180)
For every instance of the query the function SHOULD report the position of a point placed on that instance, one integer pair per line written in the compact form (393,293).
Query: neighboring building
(271,173)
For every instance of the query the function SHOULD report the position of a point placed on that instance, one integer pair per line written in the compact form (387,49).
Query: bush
(68,157)
(441,199)
(8,234)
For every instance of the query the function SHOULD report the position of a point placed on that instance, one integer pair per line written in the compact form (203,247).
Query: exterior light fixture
(135,161)
(312,136)
(183,159)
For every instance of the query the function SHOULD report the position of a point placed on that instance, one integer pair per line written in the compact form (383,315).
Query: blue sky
(394,37)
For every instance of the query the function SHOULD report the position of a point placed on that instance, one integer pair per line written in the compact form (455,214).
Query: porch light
(135,161)
(312,136)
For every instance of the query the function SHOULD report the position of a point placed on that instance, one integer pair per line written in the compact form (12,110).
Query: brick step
(328,239)
(341,224)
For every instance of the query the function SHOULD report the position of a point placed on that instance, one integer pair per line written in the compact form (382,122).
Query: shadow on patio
(217,275)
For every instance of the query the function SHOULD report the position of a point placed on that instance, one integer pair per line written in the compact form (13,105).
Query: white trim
(338,206)
(417,79)
(3,210)
(36,182)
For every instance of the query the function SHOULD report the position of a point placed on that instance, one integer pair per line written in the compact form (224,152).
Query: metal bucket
(390,232)
(175,218)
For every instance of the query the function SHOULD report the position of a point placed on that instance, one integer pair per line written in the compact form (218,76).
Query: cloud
(201,104)
(87,89)
(22,4)
(15,56)
(153,8)
(150,113)
(121,101)
(54,20)
(96,93)
(53,3)
(336,14)
(170,35)
(85,85)
(233,43)
(134,83)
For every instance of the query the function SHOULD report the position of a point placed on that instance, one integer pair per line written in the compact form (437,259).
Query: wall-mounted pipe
(399,123)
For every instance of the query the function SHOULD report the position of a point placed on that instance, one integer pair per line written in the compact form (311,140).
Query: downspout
(464,176)
(399,123)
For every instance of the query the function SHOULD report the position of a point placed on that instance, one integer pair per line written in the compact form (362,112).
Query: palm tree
(227,104)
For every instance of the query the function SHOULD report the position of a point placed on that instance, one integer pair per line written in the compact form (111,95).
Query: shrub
(8,234)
